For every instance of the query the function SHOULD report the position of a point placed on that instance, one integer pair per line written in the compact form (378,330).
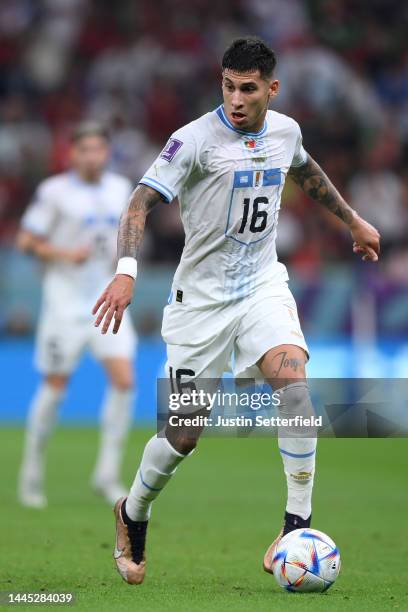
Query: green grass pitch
(210,527)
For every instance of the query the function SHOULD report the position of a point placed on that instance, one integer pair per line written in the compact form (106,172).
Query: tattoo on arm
(316,184)
(133,219)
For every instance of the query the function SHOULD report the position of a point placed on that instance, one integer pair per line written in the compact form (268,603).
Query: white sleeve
(171,169)
(41,213)
(300,155)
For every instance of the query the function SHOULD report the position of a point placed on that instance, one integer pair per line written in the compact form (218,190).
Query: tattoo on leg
(282,361)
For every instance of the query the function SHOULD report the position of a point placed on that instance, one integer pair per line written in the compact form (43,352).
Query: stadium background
(344,77)
(147,67)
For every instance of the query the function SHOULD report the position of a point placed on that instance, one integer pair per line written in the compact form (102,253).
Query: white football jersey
(71,213)
(229,185)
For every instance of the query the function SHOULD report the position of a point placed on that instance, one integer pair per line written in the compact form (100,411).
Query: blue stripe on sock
(146,485)
(297,455)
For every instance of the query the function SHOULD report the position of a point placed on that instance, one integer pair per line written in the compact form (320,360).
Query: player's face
(246,98)
(89,156)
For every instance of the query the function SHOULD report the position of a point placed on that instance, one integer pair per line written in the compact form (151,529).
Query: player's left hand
(366,239)
(113,301)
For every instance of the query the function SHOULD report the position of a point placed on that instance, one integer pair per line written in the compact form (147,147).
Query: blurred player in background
(71,226)
(229,293)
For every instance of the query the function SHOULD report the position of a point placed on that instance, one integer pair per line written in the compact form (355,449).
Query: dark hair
(89,128)
(249,54)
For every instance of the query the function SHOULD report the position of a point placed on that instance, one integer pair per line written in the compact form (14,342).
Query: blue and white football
(306,561)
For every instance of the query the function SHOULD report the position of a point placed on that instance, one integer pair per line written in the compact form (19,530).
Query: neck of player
(88,176)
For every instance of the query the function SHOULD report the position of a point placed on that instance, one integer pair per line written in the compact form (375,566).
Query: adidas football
(306,561)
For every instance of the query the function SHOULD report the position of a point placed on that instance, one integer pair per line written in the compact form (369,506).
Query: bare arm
(41,248)
(118,294)
(316,184)
(133,219)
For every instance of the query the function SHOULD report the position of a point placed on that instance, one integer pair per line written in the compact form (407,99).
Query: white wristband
(127,265)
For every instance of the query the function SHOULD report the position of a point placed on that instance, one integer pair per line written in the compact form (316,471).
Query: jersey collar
(221,114)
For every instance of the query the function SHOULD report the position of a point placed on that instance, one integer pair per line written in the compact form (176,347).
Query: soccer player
(71,226)
(229,292)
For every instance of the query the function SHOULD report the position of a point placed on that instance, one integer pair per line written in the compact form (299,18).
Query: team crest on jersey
(171,149)
(252,144)
(258,178)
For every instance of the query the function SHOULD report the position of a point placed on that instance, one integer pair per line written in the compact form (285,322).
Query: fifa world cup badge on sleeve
(171,149)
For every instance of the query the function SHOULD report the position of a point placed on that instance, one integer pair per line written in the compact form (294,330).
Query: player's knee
(56,381)
(124,383)
(294,399)
(282,383)
(287,378)
(122,379)
(183,443)
(120,373)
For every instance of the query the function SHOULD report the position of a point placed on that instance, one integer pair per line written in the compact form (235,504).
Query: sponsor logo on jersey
(171,149)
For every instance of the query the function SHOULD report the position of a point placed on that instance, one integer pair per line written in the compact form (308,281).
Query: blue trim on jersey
(271,177)
(146,485)
(243,178)
(221,114)
(229,212)
(150,182)
(297,456)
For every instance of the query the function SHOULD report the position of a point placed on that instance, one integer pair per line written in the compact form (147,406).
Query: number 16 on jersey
(251,216)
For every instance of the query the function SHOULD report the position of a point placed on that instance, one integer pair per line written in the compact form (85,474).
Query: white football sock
(298,454)
(115,423)
(159,462)
(40,422)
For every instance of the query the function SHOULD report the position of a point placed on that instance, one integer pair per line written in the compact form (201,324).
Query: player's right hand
(113,301)
(366,239)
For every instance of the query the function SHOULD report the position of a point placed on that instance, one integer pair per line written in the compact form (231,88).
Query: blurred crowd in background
(146,68)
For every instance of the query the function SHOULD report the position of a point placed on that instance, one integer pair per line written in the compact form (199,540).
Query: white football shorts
(206,342)
(61,341)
